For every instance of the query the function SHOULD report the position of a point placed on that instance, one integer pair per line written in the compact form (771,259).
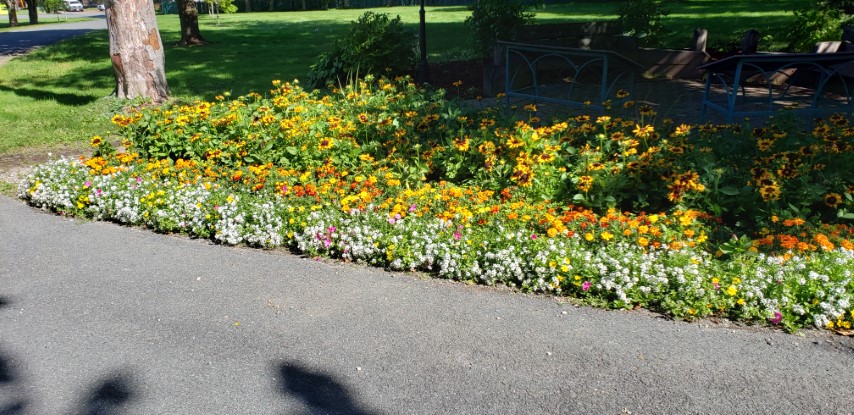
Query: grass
(57,94)
(24,22)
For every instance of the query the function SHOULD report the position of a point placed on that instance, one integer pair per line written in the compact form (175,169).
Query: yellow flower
(606,236)
(832,200)
(644,131)
(97,140)
(731,290)
(325,143)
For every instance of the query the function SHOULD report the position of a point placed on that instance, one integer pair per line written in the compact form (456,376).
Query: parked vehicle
(101,7)
(73,6)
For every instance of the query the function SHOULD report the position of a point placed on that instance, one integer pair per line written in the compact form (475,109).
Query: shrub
(51,6)
(642,19)
(374,43)
(493,20)
(816,22)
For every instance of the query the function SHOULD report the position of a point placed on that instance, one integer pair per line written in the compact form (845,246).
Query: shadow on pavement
(320,392)
(108,396)
(8,378)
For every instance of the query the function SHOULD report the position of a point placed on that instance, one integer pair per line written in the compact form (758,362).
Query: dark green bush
(493,20)
(642,19)
(817,21)
(375,43)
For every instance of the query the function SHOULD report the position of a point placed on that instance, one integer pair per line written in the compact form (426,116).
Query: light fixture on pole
(423,71)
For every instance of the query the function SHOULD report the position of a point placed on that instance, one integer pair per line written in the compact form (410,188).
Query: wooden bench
(763,84)
(567,76)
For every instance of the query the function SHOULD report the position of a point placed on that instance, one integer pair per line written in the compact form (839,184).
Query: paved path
(20,41)
(100,318)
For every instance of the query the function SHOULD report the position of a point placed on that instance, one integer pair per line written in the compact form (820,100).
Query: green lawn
(24,21)
(57,94)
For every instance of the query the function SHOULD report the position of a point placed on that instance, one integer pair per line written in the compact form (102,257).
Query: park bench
(811,84)
(567,76)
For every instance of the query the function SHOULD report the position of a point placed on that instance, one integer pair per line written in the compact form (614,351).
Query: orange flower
(793,222)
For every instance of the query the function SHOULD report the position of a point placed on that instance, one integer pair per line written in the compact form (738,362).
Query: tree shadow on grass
(320,392)
(44,94)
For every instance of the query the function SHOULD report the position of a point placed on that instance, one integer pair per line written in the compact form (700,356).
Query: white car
(73,6)
(101,7)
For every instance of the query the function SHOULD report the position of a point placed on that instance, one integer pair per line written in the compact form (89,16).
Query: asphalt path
(101,318)
(22,40)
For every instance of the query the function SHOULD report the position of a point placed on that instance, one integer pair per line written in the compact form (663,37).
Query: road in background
(21,40)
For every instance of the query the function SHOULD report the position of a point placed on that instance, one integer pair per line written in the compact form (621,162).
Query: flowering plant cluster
(386,174)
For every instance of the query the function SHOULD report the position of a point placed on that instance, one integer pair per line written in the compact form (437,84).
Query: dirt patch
(16,164)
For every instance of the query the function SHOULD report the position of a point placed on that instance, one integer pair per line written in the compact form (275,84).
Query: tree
(188,14)
(13,14)
(136,50)
(33,11)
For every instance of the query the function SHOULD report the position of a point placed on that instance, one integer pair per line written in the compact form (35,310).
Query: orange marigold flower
(793,222)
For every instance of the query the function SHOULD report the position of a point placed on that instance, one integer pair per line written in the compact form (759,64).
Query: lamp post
(423,72)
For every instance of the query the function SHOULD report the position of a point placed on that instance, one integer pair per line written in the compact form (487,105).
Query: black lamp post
(423,72)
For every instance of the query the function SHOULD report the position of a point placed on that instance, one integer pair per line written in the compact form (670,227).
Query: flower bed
(386,174)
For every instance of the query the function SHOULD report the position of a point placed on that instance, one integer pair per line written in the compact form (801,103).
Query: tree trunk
(248,4)
(189,17)
(13,14)
(33,11)
(136,50)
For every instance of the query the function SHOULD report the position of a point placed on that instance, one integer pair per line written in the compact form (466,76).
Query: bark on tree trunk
(189,17)
(33,11)
(136,50)
(13,15)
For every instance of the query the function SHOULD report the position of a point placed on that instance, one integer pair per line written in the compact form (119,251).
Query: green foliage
(52,6)
(817,21)
(493,20)
(642,19)
(223,6)
(375,42)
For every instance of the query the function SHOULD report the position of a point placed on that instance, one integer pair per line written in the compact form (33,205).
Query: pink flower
(534,236)
(87,184)
(331,229)
(586,285)
(413,208)
(139,179)
(777,318)
(457,235)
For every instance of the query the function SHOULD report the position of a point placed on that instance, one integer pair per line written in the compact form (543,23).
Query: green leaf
(292,150)
(729,191)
